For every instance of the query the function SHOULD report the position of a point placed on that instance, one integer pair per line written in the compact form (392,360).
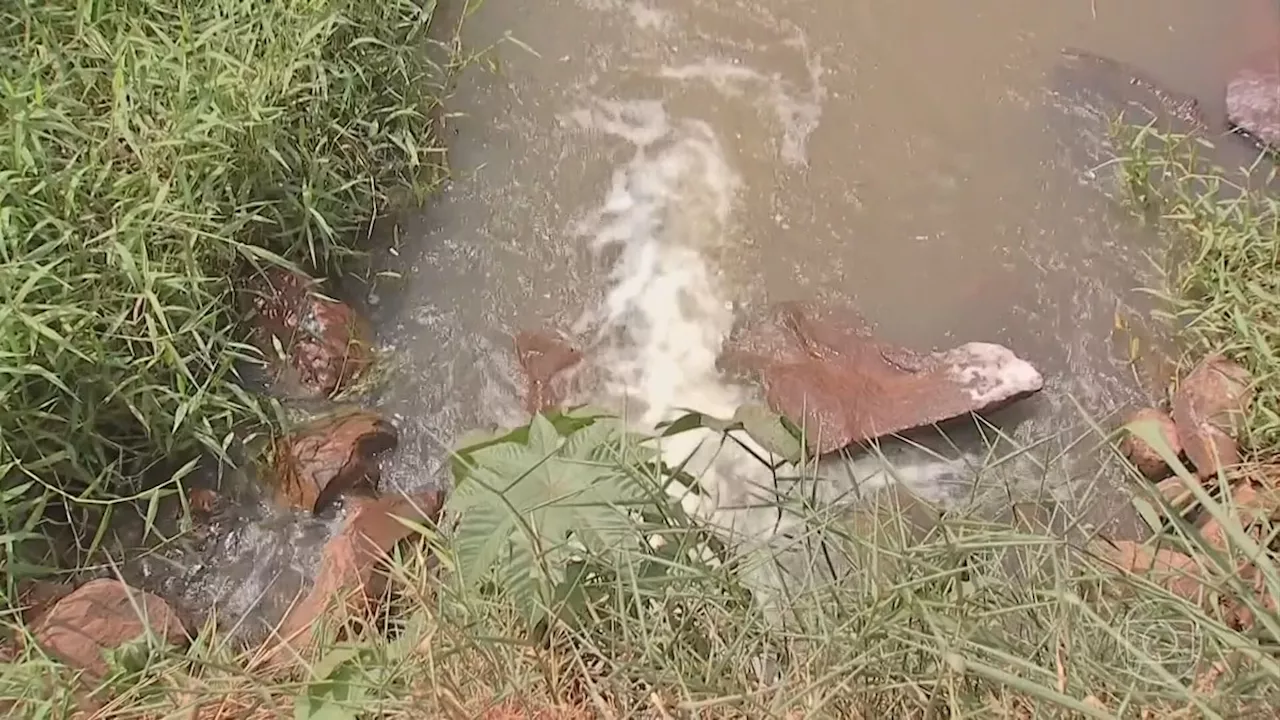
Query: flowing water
(643,172)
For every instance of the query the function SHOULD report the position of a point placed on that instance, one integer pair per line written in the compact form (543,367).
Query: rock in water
(1091,92)
(329,456)
(1123,86)
(1143,456)
(826,373)
(326,345)
(546,361)
(1209,409)
(349,563)
(102,615)
(1253,99)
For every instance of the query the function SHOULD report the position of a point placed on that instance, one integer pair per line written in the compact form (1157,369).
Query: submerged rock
(1113,84)
(1143,456)
(1092,92)
(1253,99)
(349,565)
(826,373)
(325,345)
(329,456)
(1209,409)
(546,361)
(102,615)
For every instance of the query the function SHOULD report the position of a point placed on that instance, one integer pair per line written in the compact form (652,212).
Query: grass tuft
(1223,273)
(969,617)
(149,151)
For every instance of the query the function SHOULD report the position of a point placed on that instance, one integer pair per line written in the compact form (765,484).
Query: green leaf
(1152,517)
(692,420)
(523,503)
(543,436)
(331,660)
(768,428)
(339,692)
(153,509)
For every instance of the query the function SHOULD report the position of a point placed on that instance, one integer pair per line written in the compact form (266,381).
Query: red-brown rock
(349,564)
(203,501)
(317,463)
(546,361)
(1253,99)
(326,345)
(1143,456)
(1209,410)
(825,372)
(102,615)
(35,597)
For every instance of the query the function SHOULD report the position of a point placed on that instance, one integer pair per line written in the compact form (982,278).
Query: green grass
(1223,288)
(150,153)
(966,618)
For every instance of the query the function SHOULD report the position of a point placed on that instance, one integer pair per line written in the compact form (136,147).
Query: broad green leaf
(340,695)
(543,436)
(523,502)
(767,428)
(692,420)
(331,660)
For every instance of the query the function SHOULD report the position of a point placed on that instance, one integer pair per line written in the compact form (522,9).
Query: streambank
(766,159)
(748,165)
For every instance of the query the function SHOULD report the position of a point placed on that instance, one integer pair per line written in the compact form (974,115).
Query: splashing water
(666,314)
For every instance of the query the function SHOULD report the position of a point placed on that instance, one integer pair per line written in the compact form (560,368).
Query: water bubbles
(428,316)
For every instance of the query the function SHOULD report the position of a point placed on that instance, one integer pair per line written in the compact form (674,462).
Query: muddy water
(644,172)
(910,159)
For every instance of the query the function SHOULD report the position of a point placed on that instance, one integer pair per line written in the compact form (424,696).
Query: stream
(642,172)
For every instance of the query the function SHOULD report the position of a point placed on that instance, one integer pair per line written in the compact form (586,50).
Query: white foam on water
(645,15)
(666,314)
(798,111)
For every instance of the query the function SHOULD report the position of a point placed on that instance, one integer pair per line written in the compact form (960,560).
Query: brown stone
(1175,492)
(1143,456)
(1253,99)
(546,361)
(349,563)
(35,597)
(1177,572)
(204,501)
(1185,576)
(326,345)
(317,463)
(102,615)
(1127,86)
(1209,409)
(1248,506)
(825,372)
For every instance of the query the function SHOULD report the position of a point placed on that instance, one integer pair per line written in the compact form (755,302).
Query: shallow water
(898,158)
(643,172)
(912,161)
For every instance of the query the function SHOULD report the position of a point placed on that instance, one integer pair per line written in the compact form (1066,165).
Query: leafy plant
(539,507)
(771,431)
(556,513)
(339,687)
